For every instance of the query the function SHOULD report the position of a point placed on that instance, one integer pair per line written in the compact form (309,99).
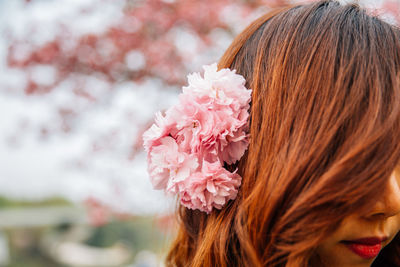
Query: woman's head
(324,143)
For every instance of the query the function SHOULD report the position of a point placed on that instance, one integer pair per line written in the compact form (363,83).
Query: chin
(348,264)
(333,259)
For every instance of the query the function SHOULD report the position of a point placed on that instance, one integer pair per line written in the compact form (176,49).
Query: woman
(320,179)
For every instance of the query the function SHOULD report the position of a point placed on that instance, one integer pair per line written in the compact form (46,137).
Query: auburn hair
(324,137)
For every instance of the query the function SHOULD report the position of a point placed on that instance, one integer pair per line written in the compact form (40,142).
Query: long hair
(324,137)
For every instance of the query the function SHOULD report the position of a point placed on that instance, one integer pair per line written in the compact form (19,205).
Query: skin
(383,219)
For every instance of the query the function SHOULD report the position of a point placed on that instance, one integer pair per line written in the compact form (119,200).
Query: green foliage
(138,233)
(54,201)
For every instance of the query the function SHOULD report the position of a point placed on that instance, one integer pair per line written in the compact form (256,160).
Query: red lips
(366,248)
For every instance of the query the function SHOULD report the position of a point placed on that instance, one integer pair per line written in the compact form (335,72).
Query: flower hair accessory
(188,146)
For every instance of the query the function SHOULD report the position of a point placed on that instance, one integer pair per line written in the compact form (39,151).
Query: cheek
(328,253)
(337,255)
(394,225)
(397,222)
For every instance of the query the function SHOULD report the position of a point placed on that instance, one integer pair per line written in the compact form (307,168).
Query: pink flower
(225,86)
(167,165)
(186,148)
(158,130)
(210,188)
(194,123)
(206,129)
(235,145)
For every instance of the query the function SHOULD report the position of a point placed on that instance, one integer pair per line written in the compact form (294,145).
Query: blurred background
(80,82)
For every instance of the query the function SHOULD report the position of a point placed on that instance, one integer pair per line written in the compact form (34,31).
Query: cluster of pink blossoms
(186,148)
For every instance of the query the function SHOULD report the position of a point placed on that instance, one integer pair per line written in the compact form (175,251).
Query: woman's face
(360,237)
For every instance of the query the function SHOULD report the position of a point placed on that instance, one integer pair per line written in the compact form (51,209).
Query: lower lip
(365,251)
